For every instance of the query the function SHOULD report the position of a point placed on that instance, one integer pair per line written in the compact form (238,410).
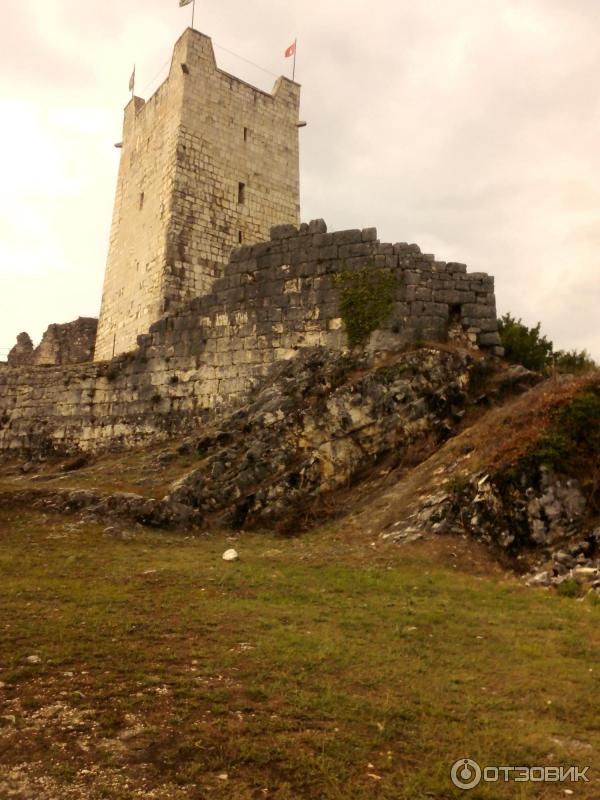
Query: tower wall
(207,162)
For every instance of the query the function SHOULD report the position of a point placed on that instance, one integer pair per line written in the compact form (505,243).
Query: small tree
(574,361)
(523,345)
(528,347)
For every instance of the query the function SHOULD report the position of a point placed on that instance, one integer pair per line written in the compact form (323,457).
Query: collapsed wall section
(275,298)
(61,344)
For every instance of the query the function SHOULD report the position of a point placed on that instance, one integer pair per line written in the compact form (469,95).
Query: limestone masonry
(204,296)
(207,163)
(274,299)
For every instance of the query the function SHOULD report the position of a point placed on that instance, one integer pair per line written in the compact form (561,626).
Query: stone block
(410,278)
(489,325)
(489,339)
(328,253)
(317,226)
(450,296)
(283,231)
(348,237)
(369,234)
(477,276)
(477,310)
(322,239)
(357,249)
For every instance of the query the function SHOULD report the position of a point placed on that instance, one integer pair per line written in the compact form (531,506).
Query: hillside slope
(423,441)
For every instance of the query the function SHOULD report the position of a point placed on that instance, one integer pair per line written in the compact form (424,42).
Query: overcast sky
(471,127)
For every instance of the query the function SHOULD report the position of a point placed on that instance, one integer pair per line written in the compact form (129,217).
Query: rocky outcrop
(317,425)
(321,422)
(540,505)
(549,510)
(126,506)
(575,566)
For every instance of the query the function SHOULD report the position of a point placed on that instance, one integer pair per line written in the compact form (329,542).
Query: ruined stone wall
(22,353)
(274,299)
(206,162)
(61,344)
(68,343)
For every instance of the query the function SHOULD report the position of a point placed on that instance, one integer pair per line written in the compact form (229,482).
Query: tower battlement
(209,162)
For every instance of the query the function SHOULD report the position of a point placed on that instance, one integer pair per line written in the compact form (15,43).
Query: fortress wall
(273,299)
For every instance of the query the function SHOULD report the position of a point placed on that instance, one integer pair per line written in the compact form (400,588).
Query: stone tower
(207,163)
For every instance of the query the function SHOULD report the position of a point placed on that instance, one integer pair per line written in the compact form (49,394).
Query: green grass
(291,670)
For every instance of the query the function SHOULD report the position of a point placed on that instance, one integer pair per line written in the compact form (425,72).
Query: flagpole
(295,51)
(193,12)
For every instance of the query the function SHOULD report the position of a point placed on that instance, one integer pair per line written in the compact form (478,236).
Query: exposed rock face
(516,518)
(576,561)
(321,421)
(71,343)
(120,505)
(22,353)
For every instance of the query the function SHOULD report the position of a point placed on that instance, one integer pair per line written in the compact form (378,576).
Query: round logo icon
(466,774)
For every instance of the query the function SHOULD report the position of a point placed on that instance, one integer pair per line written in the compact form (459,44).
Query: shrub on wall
(366,301)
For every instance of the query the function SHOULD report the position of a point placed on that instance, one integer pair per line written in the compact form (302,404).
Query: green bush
(568,588)
(574,361)
(530,348)
(523,345)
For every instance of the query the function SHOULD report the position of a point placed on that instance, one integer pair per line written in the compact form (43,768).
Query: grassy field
(138,664)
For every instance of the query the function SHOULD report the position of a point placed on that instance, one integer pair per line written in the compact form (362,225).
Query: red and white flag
(291,51)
